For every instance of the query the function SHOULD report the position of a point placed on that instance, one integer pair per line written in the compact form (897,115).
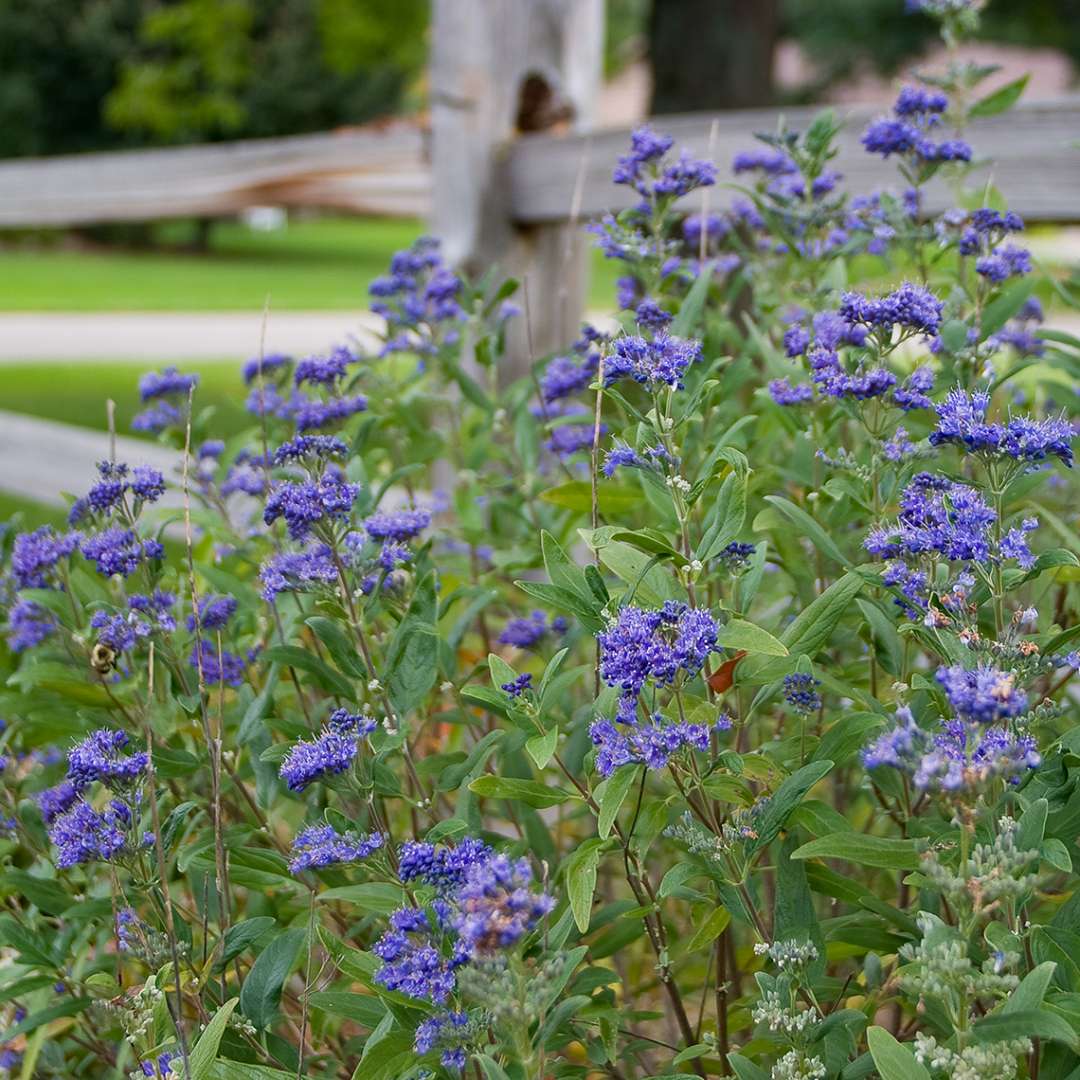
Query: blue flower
(98,758)
(800,692)
(264,365)
(658,645)
(293,571)
(316,446)
(214,612)
(167,383)
(305,503)
(496,905)
(325,370)
(962,420)
(398,524)
(81,834)
(526,633)
(318,846)
(783,393)
(119,551)
(983,694)
(331,754)
(35,555)
(517,687)
(661,360)
(216,666)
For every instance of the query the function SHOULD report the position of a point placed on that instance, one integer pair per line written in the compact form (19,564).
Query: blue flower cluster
(962,421)
(168,390)
(658,361)
(651,743)
(304,504)
(99,758)
(527,632)
(319,846)
(117,550)
(661,645)
(79,832)
(969,749)
(35,555)
(295,571)
(800,692)
(145,484)
(917,114)
(484,905)
(645,169)
(214,613)
(330,754)
(420,299)
(940,518)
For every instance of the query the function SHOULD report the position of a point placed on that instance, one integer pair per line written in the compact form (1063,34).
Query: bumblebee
(102,658)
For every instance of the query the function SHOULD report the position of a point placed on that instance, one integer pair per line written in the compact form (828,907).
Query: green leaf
(564,600)
(31,947)
(338,644)
(491,1069)
(808,527)
(43,893)
(378,897)
(47,1016)
(1031,991)
(365,1009)
(810,630)
(561,570)
(954,335)
(844,739)
(261,991)
(739,634)
(784,800)
(1000,310)
(412,659)
(730,516)
(690,311)
(709,930)
(295,657)
(204,1052)
(889,853)
(615,499)
(242,935)
(541,748)
(1000,100)
(615,788)
(745,1069)
(1032,826)
(894,1061)
(581,869)
(527,791)
(1026,1024)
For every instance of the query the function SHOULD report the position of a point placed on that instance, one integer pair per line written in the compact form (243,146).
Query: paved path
(42,458)
(166,335)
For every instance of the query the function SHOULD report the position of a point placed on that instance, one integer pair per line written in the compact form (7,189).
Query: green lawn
(318,264)
(75,393)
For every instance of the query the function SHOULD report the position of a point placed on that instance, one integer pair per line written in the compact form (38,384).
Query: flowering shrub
(715,721)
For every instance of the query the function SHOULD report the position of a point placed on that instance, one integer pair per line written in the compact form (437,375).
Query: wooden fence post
(500,68)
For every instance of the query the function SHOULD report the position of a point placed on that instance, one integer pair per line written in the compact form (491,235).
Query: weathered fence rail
(1035,150)
(372,170)
(386,172)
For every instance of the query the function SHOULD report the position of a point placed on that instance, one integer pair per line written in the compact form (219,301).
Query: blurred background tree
(719,53)
(98,74)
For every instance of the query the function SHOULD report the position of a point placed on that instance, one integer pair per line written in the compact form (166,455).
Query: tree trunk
(712,54)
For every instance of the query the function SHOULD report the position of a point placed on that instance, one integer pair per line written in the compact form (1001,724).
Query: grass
(75,393)
(317,264)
